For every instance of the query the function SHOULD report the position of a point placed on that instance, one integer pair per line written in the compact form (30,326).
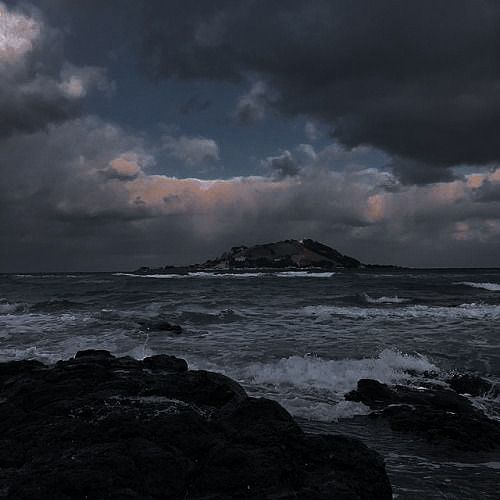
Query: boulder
(96,426)
(440,415)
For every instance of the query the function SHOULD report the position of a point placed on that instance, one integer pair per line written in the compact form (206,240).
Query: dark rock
(94,353)
(160,326)
(164,362)
(472,384)
(441,415)
(97,426)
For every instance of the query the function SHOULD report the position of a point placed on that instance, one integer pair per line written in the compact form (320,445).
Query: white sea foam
(384,300)
(492,287)
(303,274)
(463,311)
(10,308)
(158,276)
(338,376)
(203,274)
(313,387)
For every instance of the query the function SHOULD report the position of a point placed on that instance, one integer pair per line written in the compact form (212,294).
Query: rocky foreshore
(97,426)
(440,415)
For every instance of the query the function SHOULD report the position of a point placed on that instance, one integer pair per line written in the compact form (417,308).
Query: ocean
(301,339)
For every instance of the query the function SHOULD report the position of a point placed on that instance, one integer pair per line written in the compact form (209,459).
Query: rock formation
(97,427)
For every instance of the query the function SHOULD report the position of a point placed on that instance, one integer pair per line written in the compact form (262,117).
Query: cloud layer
(416,79)
(408,93)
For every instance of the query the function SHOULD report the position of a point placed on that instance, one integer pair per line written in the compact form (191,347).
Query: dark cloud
(416,79)
(416,172)
(488,192)
(408,89)
(283,165)
(37,85)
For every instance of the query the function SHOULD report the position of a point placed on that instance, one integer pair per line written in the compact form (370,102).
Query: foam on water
(338,376)
(11,308)
(303,274)
(158,276)
(314,388)
(492,287)
(463,311)
(383,300)
(203,274)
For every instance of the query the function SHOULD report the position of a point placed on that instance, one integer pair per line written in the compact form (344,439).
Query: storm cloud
(370,126)
(37,85)
(416,79)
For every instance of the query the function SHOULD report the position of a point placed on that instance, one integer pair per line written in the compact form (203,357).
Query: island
(287,255)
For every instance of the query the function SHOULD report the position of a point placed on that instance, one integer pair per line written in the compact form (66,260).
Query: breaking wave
(303,274)
(492,287)
(463,311)
(313,387)
(383,300)
(11,308)
(206,274)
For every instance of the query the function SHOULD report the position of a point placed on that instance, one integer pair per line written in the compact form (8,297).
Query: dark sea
(303,340)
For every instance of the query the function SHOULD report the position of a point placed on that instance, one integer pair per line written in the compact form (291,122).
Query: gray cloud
(37,85)
(283,165)
(251,107)
(416,79)
(191,150)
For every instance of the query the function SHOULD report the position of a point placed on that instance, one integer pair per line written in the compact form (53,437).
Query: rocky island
(304,255)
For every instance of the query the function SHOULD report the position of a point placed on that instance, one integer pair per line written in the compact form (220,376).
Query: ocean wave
(55,305)
(11,307)
(383,300)
(45,276)
(313,387)
(203,274)
(207,274)
(158,276)
(205,317)
(339,376)
(492,287)
(463,311)
(303,274)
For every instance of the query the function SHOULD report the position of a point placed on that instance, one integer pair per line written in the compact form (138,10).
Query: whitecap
(313,387)
(204,274)
(463,311)
(303,274)
(11,307)
(492,287)
(383,300)
(158,276)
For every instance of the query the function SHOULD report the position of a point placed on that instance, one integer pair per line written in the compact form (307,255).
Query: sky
(164,132)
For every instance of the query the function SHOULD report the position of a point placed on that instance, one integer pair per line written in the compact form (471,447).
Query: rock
(97,426)
(472,384)
(94,353)
(441,415)
(166,363)
(161,326)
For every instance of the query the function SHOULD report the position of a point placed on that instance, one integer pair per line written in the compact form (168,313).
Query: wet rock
(161,326)
(473,385)
(96,426)
(164,362)
(441,415)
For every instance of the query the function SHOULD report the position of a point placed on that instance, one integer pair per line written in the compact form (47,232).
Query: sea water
(302,339)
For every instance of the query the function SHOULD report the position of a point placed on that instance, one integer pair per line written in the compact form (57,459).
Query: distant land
(304,255)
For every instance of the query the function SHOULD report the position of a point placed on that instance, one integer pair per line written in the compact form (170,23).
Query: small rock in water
(161,326)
